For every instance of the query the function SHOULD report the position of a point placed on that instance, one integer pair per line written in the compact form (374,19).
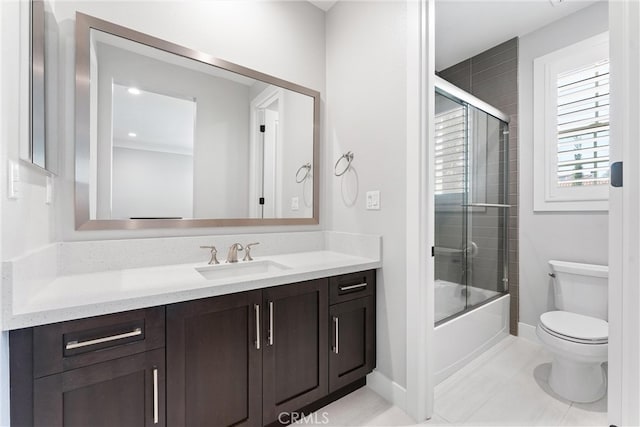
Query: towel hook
(308,168)
(348,156)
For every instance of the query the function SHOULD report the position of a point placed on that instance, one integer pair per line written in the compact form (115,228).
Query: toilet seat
(575,327)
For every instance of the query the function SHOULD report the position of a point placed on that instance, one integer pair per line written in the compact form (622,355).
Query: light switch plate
(295,204)
(13,181)
(373,200)
(49,194)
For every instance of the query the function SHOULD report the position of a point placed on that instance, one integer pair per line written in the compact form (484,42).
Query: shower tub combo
(471,223)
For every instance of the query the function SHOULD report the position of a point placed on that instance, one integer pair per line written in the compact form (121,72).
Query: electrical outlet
(295,203)
(373,200)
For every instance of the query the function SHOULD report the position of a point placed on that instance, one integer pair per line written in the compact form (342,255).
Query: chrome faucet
(214,259)
(232,256)
(247,251)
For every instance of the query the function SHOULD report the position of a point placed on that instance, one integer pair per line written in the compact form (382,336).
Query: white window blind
(450,132)
(583,126)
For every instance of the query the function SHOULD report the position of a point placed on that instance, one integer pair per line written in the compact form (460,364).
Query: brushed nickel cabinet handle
(349,288)
(336,326)
(155,395)
(271,333)
(71,345)
(256,307)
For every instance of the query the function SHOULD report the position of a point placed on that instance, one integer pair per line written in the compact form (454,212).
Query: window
(571,127)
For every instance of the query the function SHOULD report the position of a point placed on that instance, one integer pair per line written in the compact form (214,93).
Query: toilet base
(577,381)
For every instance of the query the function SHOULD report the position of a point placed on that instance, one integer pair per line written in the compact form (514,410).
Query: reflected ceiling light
(132,134)
(134,91)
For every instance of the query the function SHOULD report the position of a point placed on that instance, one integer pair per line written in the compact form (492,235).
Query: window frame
(547,195)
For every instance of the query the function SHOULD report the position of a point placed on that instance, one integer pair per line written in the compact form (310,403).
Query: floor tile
(523,401)
(505,386)
(475,385)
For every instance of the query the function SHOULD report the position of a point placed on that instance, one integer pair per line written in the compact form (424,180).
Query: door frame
(624,204)
(420,355)
(260,102)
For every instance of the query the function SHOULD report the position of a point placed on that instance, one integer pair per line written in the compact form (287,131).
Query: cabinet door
(214,361)
(295,338)
(126,392)
(353,347)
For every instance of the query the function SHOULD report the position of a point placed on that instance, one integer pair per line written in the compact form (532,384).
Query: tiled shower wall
(492,76)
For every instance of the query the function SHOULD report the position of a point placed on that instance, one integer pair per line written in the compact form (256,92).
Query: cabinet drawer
(69,345)
(350,286)
(125,392)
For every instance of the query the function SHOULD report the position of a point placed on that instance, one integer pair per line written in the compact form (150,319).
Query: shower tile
(459,75)
(496,50)
(507,71)
(481,63)
(492,90)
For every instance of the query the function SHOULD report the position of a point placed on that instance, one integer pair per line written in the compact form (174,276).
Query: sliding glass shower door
(471,211)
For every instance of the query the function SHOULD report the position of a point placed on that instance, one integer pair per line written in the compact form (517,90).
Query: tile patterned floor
(505,386)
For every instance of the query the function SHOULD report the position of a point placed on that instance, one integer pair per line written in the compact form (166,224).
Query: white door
(270,166)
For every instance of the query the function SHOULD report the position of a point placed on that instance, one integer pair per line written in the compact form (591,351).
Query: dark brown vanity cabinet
(352,328)
(244,358)
(241,359)
(214,361)
(102,371)
(294,354)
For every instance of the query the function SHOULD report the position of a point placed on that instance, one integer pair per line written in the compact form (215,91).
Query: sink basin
(223,271)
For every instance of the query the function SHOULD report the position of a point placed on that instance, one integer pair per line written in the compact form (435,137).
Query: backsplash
(69,258)
(103,255)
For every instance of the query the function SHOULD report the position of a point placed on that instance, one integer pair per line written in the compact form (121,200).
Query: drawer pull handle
(336,325)
(256,307)
(271,333)
(352,287)
(71,345)
(155,395)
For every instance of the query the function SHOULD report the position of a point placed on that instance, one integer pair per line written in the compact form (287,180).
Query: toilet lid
(576,326)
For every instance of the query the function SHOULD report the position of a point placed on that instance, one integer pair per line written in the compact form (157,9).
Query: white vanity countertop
(92,294)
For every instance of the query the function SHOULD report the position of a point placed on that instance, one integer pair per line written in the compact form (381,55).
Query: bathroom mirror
(170,137)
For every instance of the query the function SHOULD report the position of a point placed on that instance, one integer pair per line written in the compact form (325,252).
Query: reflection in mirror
(37,146)
(152,155)
(202,141)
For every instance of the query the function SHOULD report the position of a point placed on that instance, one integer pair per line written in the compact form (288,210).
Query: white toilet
(577,333)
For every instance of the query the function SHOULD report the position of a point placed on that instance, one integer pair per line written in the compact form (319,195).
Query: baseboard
(389,390)
(528,332)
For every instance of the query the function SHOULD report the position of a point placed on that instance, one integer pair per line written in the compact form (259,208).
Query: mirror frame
(37,94)
(84,24)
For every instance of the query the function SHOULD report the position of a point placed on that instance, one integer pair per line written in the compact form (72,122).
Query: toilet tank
(581,288)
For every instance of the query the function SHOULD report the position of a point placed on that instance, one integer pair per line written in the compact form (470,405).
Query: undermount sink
(222,271)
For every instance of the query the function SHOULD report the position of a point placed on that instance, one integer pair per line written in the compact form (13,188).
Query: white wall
(296,125)
(284,39)
(27,223)
(571,236)
(367,114)
(151,184)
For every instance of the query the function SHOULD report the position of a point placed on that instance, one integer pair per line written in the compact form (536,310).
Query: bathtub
(461,339)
